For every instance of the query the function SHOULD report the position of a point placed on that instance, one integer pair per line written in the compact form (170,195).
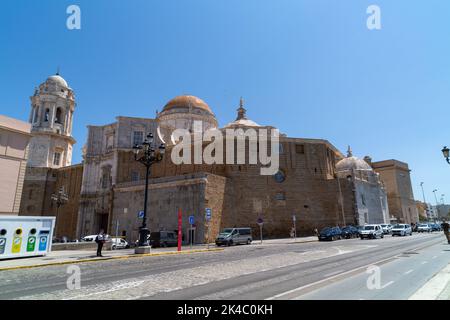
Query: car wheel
(249,241)
(382,236)
(229,243)
(113,247)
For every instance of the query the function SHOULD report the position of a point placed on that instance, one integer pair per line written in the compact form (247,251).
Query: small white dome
(59,80)
(352,163)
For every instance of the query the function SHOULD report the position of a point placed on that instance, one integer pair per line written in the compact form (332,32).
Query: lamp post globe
(446,154)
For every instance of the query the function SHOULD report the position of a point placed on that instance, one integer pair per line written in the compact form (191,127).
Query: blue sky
(308,67)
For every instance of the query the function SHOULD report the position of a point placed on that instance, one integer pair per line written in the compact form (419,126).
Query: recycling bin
(22,236)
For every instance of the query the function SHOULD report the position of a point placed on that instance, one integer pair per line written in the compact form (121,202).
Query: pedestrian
(100,240)
(292,233)
(445,226)
(316,232)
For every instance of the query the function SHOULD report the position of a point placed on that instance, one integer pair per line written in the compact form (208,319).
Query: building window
(58,117)
(105,179)
(363,200)
(47,114)
(279,176)
(280,148)
(138,137)
(134,176)
(300,148)
(57,158)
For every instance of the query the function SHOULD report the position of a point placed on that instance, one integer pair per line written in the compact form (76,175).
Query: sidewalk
(438,288)
(78,256)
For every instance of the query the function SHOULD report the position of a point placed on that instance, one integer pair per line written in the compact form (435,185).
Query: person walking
(100,239)
(445,227)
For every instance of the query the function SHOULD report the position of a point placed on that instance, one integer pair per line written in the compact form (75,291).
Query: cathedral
(314,182)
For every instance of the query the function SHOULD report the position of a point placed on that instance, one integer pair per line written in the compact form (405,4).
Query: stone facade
(397,181)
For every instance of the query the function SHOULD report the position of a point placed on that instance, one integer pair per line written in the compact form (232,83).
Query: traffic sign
(141,214)
(260,221)
(191,219)
(208,214)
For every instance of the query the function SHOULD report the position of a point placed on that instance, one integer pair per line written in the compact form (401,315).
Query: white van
(230,236)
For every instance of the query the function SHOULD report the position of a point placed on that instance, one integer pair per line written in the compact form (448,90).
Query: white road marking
(333,273)
(408,272)
(433,288)
(387,284)
(434,257)
(323,280)
(424,262)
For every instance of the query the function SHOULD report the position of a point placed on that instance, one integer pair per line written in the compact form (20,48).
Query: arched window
(58,118)
(47,114)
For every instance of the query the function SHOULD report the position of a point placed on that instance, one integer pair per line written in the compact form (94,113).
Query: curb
(111,258)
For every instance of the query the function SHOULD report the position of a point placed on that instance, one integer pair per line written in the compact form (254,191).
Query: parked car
(371,231)
(330,233)
(349,232)
(230,236)
(401,229)
(163,239)
(360,228)
(435,227)
(424,227)
(119,243)
(386,228)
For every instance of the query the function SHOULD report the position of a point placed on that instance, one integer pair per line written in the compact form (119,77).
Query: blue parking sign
(191,219)
(208,214)
(141,214)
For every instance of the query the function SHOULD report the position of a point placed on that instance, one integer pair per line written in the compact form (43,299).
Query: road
(315,270)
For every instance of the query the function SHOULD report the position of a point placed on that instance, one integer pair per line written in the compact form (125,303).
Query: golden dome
(186,101)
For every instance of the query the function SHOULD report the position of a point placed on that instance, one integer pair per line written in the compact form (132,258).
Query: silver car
(401,229)
(424,227)
(371,231)
(230,236)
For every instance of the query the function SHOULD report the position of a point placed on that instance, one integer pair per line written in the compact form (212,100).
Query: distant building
(397,181)
(442,211)
(371,204)
(14,139)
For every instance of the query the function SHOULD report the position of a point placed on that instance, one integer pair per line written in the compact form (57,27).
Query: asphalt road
(316,270)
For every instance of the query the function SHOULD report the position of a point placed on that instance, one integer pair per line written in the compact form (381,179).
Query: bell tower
(51,116)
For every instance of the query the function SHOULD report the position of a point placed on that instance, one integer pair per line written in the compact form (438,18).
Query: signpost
(260,222)
(180,226)
(191,232)
(294,219)
(208,212)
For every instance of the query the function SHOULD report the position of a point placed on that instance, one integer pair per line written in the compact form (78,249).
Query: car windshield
(423,225)
(384,225)
(227,231)
(399,226)
(369,227)
(325,230)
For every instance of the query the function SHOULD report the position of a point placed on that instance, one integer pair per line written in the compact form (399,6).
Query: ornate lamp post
(147,154)
(446,153)
(60,198)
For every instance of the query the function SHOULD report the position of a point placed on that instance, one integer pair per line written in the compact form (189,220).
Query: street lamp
(147,154)
(424,201)
(437,203)
(446,153)
(60,198)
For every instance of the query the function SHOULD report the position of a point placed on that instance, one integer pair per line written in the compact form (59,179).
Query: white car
(371,231)
(119,243)
(386,228)
(91,238)
(424,227)
(401,229)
